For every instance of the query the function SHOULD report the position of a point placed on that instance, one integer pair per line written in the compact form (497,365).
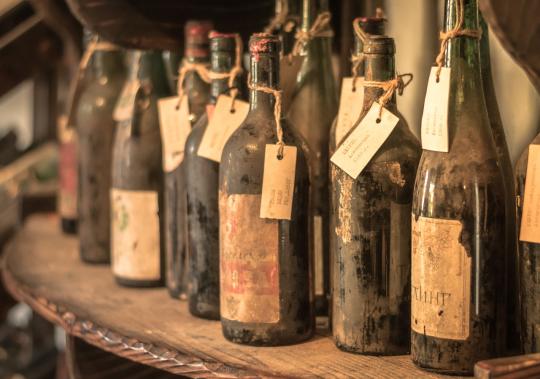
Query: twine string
(389,87)
(280,18)
(456,31)
(200,68)
(320,28)
(358,59)
(277,111)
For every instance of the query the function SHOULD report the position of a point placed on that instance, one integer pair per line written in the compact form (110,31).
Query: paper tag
(288,71)
(175,126)
(435,117)
(221,126)
(530,219)
(126,102)
(350,106)
(360,146)
(278,183)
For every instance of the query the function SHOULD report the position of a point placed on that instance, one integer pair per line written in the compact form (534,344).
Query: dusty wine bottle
(529,262)
(501,146)
(371,268)
(96,128)
(458,307)
(265,286)
(137,176)
(312,110)
(196,88)
(202,176)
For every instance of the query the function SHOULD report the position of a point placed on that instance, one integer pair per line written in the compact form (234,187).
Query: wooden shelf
(41,267)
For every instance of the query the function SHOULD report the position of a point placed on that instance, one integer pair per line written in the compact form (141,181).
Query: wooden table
(42,268)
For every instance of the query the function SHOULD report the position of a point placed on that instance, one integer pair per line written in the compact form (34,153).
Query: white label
(125,105)
(530,219)
(135,234)
(360,146)
(350,106)
(175,127)
(435,117)
(224,121)
(278,183)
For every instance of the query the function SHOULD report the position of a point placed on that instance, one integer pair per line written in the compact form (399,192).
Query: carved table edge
(163,358)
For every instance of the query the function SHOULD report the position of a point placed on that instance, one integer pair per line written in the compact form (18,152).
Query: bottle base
(443,371)
(138,283)
(359,351)
(262,335)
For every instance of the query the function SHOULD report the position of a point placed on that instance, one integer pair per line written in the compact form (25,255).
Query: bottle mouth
(264,43)
(222,41)
(372,25)
(196,31)
(377,44)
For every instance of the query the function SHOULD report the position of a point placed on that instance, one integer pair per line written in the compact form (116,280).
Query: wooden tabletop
(41,267)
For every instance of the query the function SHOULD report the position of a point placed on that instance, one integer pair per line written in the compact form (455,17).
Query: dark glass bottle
(287,19)
(529,267)
(313,108)
(137,236)
(371,26)
(172,60)
(266,294)
(501,146)
(96,133)
(371,268)
(202,177)
(458,310)
(197,91)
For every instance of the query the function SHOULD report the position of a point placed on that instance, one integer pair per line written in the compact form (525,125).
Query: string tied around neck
(456,31)
(200,68)
(277,111)
(320,28)
(389,87)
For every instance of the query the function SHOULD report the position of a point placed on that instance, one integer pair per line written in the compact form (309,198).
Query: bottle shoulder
(196,134)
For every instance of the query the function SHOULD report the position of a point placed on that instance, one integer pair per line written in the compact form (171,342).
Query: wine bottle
(285,22)
(313,108)
(96,128)
(202,176)
(458,295)
(197,91)
(529,266)
(370,26)
(265,286)
(172,60)
(371,268)
(501,146)
(137,179)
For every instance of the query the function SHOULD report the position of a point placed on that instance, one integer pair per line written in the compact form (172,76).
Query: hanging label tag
(278,183)
(350,106)
(221,126)
(126,102)
(360,146)
(530,219)
(434,129)
(288,71)
(175,126)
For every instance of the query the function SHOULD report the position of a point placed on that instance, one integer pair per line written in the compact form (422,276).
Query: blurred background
(40,47)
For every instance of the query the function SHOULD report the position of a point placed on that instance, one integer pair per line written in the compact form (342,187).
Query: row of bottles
(264,213)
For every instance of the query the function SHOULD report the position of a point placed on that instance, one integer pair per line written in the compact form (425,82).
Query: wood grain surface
(42,268)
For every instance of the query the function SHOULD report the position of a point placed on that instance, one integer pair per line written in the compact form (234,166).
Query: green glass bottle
(529,267)
(458,291)
(96,128)
(313,107)
(285,22)
(371,267)
(137,224)
(510,195)
(202,177)
(265,281)
(197,91)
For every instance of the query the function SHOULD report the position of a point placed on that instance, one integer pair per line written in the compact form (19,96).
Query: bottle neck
(463,51)
(378,68)
(151,69)
(222,62)
(107,63)
(485,60)
(317,47)
(310,10)
(264,73)
(357,52)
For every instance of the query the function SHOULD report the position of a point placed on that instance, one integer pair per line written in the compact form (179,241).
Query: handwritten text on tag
(278,182)
(365,140)
(435,117)
(350,106)
(221,126)
(126,102)
(530,219)
(175,126)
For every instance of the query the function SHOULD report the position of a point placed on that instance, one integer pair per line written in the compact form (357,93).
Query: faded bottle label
(249,261)
(441,279)
(135,234)
(67,200)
